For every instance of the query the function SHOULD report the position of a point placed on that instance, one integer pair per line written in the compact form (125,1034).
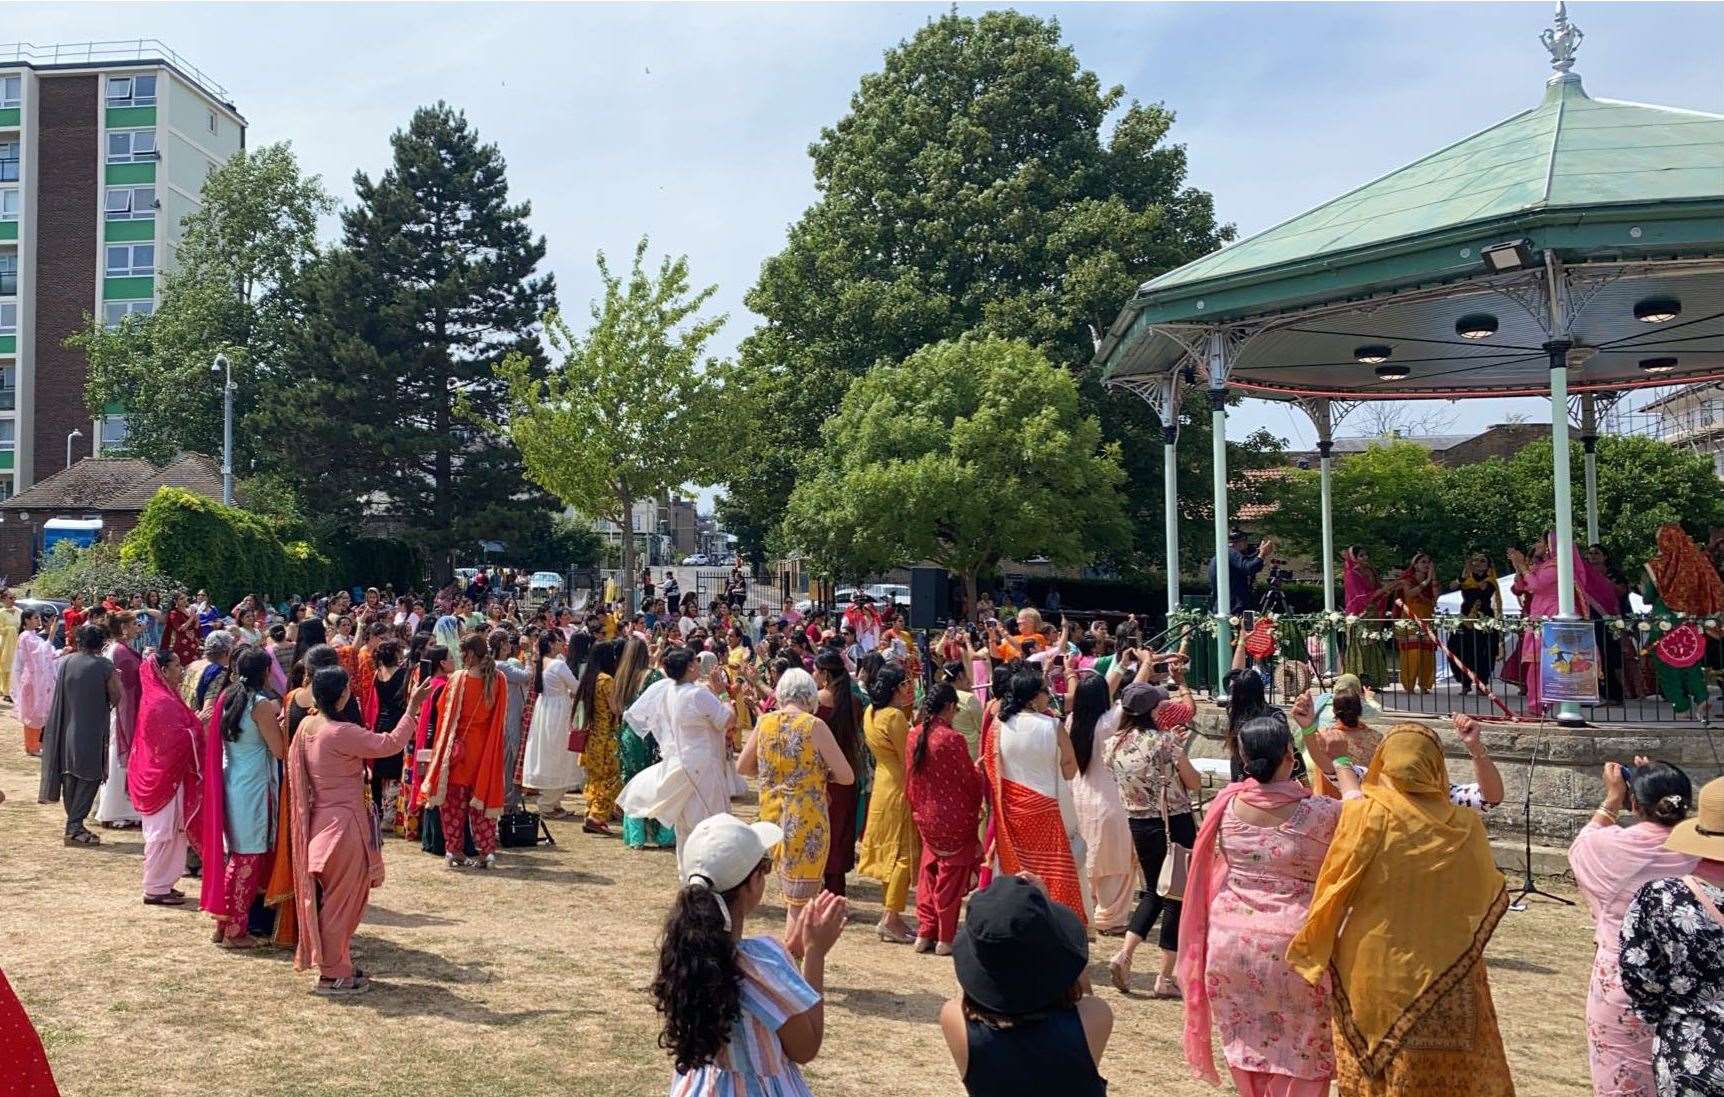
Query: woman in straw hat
(1672,948)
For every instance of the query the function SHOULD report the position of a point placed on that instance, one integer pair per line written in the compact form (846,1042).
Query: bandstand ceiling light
(1372,354)
(1658,365)
(1510,255)
(1478,325)
(1394,373)
(1658,310)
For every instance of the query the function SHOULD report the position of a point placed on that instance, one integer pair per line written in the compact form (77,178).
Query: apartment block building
(104,148)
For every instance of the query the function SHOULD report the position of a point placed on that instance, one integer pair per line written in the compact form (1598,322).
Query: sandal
(1120,974)
(82,838)
(893,937)
(456,864)
(241,943)
(166,899)
(341,988)
(591,826)
(1166,988)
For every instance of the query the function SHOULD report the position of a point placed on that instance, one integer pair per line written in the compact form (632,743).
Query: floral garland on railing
(1297,626)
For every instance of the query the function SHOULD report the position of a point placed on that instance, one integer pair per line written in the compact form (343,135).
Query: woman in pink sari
(162,776)
(1610,864)
(1363,654)
(337,852)
(1537,579)
(1253,871)
(32,679)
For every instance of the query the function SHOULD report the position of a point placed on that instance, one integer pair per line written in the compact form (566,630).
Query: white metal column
(1170,484)
(1589,445)
(1217,364)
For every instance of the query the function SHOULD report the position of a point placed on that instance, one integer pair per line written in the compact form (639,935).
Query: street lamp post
(222,366)
(76,433)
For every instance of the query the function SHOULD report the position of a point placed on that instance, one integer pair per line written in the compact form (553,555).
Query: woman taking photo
(740,1013)
(945,793)
(841,705)
(1253,871)
(795,756)
(1029,766)
(335,861)
(549,765)
(1611,863)
(32,679)
(889,842)
(241,748)
(1156,779)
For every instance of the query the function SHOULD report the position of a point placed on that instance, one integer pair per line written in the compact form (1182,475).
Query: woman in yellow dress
(794,754)
(8,642)
(602,757)
(890,844)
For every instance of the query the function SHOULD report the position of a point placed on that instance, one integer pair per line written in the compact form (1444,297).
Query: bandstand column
(1589,444)
(1568,712)
(1217,364)
(1170,489)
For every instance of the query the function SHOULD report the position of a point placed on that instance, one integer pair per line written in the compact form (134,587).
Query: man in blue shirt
(1242,568)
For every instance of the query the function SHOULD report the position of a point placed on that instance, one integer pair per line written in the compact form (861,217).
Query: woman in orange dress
(465,778)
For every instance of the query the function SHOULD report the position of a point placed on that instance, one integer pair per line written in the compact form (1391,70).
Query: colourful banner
(1568,661)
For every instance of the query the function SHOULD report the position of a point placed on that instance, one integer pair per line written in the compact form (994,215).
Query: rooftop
(127,52)
(117,483)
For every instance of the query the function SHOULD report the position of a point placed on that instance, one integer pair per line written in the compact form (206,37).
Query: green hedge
(95,572)
(224,550)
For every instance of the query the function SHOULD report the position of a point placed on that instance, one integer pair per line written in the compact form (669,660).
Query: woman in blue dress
(252,743)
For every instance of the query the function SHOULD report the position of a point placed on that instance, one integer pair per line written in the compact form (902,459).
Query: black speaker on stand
(930,598)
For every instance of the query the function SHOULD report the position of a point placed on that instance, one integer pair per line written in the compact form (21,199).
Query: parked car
(896,593)
(695,560)
(545,584)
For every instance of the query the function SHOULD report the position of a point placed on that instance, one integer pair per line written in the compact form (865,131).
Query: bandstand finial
(1562,39)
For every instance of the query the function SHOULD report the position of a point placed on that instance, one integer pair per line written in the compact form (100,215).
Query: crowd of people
(1030,782)
(1663,652)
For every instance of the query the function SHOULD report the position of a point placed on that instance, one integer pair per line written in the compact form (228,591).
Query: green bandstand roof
(1627,199)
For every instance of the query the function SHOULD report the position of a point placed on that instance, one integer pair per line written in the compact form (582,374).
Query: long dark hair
(845,720)
(579,649)
(327,686)
(698,987)
(867,667)
(885,686)
(547,641)
(1027,685)
(311,633)
(1245,700)
(602,660)
(250,675)
(940,697)
(432,661)
(1089,704)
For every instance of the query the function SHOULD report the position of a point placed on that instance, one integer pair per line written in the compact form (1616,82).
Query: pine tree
(392,380)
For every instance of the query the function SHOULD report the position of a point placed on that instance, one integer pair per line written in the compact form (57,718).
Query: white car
(895,593)
(696,560)
(545,583)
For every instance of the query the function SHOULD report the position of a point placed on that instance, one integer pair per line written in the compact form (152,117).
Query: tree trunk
(626,580)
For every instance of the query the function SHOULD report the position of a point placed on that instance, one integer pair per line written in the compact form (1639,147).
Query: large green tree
(969,188)
(233,290)
(969,452)
(633,411)
(393,375)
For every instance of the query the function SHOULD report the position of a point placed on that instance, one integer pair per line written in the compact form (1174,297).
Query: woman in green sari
(638,748)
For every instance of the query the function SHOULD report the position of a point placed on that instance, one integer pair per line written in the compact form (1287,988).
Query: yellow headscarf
(1407,897)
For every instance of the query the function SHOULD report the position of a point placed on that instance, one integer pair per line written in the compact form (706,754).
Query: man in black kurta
(75,738)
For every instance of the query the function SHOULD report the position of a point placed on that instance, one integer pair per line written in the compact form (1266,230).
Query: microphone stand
(1529,886)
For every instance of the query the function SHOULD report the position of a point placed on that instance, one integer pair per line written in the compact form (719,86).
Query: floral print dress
(1270,1019)
(1673,971)
(793,795)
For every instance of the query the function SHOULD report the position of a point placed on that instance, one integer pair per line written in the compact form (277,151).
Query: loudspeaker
(930,598)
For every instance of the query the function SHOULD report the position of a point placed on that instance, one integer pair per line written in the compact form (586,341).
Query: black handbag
(522,828)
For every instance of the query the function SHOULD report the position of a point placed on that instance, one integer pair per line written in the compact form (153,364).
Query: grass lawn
(532,980)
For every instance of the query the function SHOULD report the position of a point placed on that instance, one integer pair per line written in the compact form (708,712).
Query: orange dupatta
(473,720)
(1030,833)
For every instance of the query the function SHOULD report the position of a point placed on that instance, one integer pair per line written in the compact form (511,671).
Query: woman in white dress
(550,766)
(1031,768)
(1110,867)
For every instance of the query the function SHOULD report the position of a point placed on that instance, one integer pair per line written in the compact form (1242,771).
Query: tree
(1386,501)
(971,451)
(969,188)
(633,411)
(434,285)
(233,291)
(1402,418)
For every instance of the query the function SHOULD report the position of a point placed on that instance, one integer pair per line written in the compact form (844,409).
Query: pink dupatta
(1204,881)
(165,748)
(212,846)
(1359,585)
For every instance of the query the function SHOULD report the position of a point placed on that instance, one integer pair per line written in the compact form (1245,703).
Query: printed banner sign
(1568,661)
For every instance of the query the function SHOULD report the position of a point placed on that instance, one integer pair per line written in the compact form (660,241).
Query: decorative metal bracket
(1326,414)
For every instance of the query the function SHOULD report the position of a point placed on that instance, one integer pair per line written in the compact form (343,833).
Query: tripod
(1528,885)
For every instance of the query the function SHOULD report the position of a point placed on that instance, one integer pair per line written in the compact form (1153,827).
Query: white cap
(722,850)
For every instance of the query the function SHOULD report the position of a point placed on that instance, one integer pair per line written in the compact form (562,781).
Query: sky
(690,123)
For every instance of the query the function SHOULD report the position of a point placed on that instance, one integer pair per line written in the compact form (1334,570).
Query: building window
(8,318)
(114,313)
(8,274)
(11,199)
(8,435)
(126,260)
(131,146)
(131,203)
(211,116)
(132,91)
(113,432)
(8,388)
(11,91)
(8,161)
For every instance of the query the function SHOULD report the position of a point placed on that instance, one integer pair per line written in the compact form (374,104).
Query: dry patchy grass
(532,980)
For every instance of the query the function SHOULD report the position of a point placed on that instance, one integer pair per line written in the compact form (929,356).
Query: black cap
(1236,534)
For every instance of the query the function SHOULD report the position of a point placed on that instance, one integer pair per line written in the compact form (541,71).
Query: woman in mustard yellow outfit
(8,641)
(602,758)
(890,844)
(794,754)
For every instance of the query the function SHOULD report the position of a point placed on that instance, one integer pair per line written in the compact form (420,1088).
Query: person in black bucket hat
(1026,1023)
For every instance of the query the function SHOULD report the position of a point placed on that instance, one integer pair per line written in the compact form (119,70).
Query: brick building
(104,148)
(1502,440)
(112,489)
